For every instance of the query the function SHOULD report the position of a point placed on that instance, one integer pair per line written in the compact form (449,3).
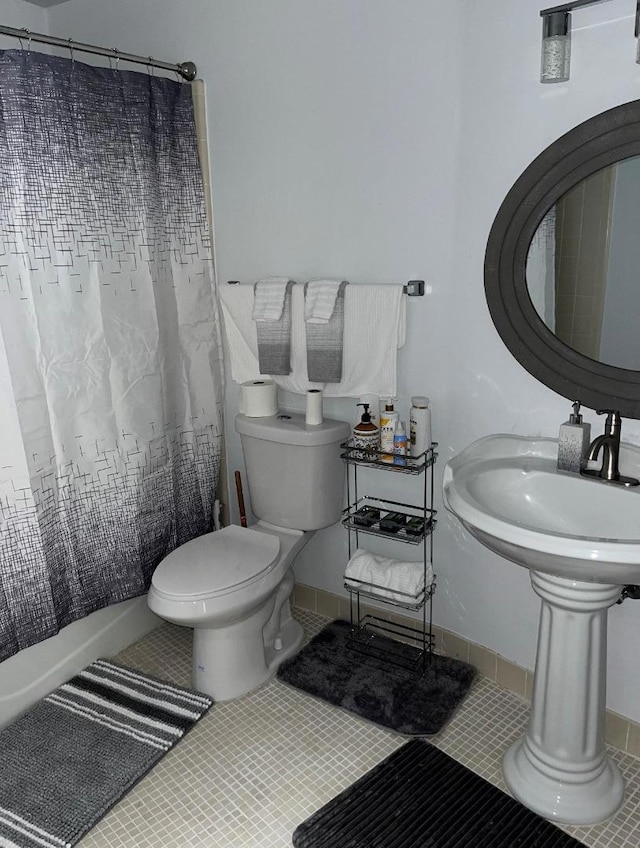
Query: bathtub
(34,672)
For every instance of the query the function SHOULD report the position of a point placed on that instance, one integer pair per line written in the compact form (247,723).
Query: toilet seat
(216,563)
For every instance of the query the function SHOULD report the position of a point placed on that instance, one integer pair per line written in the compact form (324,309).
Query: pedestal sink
(580,538)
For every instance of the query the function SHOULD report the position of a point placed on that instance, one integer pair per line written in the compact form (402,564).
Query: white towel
(389,578)
(268,300)
(374,324)
(320,300)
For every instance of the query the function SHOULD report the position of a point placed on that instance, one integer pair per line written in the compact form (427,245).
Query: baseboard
(621,732)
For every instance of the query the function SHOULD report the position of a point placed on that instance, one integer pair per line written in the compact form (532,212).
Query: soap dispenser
(366,436)
(573,442)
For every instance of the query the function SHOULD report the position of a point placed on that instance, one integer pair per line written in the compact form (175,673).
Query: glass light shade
(556,47)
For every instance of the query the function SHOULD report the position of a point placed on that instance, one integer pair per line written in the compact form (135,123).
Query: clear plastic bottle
(419,426)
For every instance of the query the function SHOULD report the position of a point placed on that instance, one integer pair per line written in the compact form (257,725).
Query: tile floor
(253,769)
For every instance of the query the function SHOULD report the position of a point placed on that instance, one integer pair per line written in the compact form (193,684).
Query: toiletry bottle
(388,418)
(573,442)
(374,406)
(400,444)
(366,436)
(419,425)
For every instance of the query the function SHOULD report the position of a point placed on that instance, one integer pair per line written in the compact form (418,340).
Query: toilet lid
(216,562)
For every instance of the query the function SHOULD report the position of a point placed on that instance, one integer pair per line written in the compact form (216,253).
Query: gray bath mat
(393,696)
(67,761)
(420,797)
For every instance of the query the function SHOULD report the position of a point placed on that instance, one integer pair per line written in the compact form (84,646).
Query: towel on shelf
(320,300)
(374,321)
(268,298)
(388,578)
(273,334)
(325,343)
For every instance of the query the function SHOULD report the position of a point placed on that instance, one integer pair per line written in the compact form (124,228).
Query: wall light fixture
(556,46)
(556,39)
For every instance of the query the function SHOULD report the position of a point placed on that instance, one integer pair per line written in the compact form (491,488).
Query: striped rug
(67,761)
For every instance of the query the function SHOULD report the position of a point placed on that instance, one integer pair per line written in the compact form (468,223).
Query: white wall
(507,118)
(375,140)
(18,14)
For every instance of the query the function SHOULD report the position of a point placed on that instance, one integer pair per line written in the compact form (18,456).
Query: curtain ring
(116,54)
(150,65)
(69,44)
(28,33)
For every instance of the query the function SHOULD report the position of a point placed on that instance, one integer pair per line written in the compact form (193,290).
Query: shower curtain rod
(187,70)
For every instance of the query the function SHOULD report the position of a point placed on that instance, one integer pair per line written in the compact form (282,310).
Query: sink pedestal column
(560,768)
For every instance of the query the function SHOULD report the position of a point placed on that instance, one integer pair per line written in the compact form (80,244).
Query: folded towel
(320,300)
(325,342)
(274,339)
(403,582)
(268,298)
(374,319)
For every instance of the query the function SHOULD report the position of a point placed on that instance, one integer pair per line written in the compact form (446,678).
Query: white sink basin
(580,538)
(507,492)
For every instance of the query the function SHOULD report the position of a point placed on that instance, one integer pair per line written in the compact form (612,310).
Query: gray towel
(274,340)
(324,344)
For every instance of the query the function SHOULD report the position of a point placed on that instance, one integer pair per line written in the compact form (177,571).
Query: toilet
(233,586)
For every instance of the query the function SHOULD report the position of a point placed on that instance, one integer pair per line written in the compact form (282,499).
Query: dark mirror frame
(603,140)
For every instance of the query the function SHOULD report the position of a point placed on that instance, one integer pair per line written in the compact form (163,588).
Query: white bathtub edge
(35,671)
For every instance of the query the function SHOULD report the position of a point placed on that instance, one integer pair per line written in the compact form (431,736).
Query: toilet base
(232,660)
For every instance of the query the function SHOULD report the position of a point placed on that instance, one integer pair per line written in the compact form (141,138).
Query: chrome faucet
(609,444)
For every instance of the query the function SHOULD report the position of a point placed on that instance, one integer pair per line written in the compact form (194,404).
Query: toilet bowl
(233,586)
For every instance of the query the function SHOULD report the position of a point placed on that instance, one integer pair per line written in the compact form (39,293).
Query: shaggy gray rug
(67,761)
(420,797)
(395,697)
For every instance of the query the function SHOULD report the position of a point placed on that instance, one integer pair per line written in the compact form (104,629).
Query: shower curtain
(110,357)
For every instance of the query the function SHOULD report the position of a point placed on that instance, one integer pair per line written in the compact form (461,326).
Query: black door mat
(421,798)
(67,761)
(392,696)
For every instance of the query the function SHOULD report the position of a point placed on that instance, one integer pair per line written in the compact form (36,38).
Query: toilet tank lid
(215,562)
(291,428)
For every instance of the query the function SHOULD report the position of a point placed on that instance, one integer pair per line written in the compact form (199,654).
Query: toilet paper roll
(314,406)
(258,398)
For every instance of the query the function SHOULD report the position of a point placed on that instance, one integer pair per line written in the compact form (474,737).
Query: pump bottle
(573,442)
(366,436)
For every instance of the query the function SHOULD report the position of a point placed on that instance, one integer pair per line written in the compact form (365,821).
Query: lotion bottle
(388,418)
(366,436)
(419,426)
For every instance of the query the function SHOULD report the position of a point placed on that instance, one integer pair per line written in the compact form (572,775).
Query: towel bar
(414,288)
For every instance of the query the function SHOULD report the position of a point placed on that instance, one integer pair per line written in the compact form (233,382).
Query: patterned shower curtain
(110,358)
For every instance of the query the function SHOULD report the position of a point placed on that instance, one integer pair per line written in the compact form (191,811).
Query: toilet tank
(294,472)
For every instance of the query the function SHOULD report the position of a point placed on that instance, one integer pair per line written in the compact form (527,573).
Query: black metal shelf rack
(409,523)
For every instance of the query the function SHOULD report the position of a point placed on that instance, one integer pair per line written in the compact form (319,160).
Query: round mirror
(562,260)
(583,266)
